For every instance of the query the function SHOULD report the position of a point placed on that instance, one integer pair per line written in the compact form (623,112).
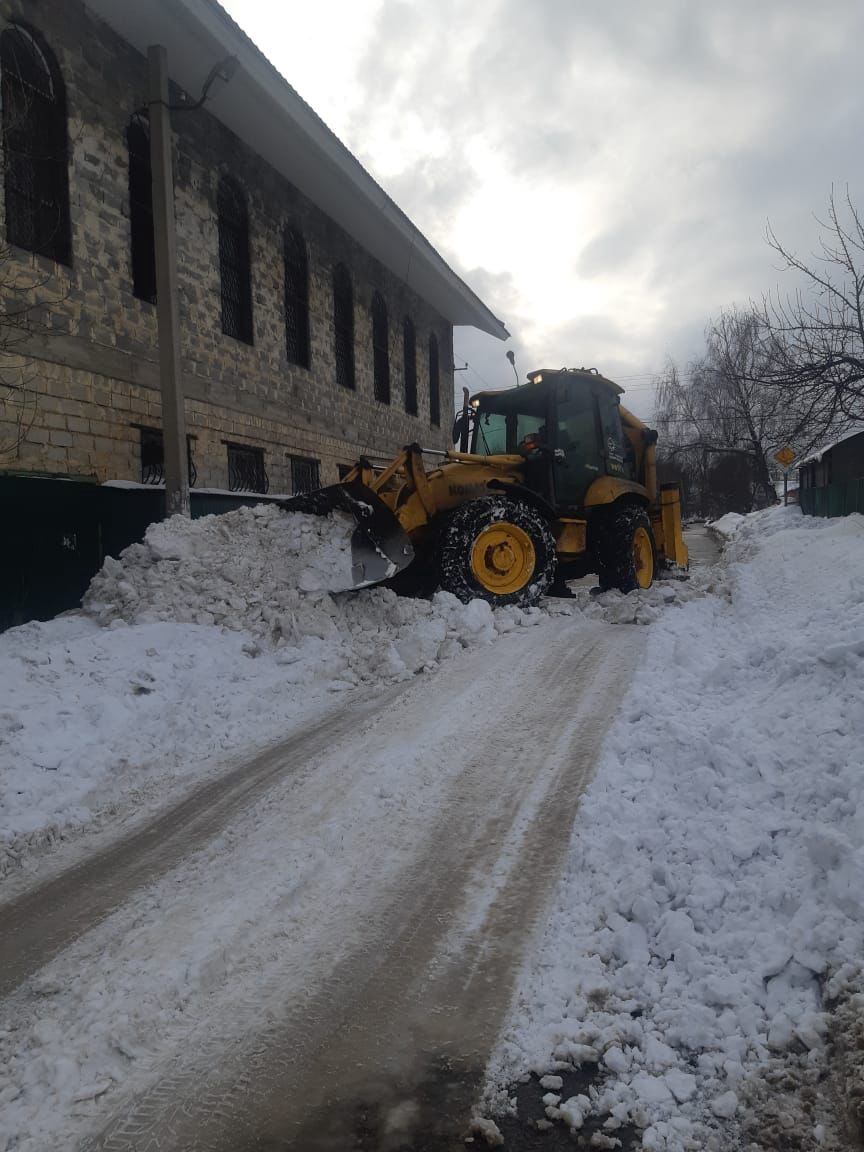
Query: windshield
(505,432)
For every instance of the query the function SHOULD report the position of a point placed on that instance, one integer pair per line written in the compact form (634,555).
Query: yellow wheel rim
(643,558)
(502,558)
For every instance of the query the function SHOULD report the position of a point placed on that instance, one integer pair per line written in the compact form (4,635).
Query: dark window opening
(296,299)
(304,474)
(344,469)
(380,349)
(434,383)
(343,326)
(409,359)
(35,147)
(246,472)
(153,457)
(234,268)
(141,210)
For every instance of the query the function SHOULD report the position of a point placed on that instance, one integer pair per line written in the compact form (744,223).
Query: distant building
(831,481)
(317,321)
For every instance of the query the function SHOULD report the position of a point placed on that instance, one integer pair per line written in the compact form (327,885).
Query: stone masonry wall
(90,374)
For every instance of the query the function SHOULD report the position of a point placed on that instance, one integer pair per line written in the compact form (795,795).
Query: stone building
(316,320)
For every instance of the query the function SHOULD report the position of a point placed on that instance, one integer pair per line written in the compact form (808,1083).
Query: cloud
(602,174)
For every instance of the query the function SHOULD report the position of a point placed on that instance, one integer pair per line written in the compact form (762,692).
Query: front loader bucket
(379,546)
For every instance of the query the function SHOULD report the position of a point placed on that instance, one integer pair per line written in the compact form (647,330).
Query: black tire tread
(461,529)
(614,528)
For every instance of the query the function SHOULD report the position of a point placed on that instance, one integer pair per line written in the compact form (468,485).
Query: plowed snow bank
(211,635)
(714,897)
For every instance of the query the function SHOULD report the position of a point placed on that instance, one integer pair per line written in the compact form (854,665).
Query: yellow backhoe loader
(553,479)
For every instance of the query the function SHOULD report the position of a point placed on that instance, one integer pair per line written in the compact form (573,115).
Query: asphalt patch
(521,1133)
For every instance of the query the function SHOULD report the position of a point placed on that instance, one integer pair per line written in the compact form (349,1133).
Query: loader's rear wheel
(498,550)
(625,549)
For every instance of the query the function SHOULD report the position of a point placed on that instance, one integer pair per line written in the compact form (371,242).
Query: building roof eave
(260,107)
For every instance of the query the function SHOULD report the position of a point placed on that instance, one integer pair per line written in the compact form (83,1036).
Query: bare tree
(722,421)
(818,333)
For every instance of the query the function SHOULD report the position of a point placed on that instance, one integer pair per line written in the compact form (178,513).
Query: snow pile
(279,577)
(641,606)
(235,569)
(210,636)
(727,525)
(714,894)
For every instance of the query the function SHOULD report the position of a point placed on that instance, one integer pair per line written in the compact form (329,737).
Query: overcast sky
(600,171)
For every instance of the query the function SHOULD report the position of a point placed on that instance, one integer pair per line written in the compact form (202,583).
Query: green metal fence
(56,534)
(833,499)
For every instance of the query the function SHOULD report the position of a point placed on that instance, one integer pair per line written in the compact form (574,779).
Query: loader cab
(565,423)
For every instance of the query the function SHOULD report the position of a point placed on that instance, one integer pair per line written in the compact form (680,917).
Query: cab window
(577,426)
(499,432)
(615,446)
(578,461)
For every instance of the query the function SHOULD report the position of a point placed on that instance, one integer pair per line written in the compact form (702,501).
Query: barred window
(380,349)
(434,383)
(296,298)
(304,474)
(234,268)
(343,325)
(35,146)
(409,360)
(246,472)
(141,210)
(153,457)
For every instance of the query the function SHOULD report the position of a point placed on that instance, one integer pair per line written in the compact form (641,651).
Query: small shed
(831,481)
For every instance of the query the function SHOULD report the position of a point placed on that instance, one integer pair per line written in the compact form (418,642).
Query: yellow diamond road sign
(785,456)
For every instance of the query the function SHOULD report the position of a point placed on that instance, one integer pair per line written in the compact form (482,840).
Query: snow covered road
(44,920)
(316,944)
(326,944)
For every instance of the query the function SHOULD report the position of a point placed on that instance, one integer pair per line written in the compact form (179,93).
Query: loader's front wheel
(625,549)
(498,550)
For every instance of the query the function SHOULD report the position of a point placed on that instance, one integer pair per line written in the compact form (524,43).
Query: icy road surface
(320,949)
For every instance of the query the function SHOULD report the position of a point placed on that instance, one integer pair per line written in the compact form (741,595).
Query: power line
(473,369)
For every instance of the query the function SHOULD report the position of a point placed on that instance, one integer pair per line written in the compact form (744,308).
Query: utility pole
(167,307)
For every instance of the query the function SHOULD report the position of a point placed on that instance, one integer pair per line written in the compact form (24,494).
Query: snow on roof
(816,457)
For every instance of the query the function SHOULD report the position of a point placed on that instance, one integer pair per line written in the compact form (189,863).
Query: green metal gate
(57,532)
(833,499)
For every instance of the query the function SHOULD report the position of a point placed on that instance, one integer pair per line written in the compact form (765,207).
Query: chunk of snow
(725,1106)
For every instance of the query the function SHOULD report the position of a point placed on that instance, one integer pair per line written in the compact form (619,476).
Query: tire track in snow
(396,1031)
(39,924)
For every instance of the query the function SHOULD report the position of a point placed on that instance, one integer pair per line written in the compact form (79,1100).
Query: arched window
(343,325)
(141,210)
(434,383)
(35,145)
(296,298)
(234,270)
(380,349)
(409,361)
